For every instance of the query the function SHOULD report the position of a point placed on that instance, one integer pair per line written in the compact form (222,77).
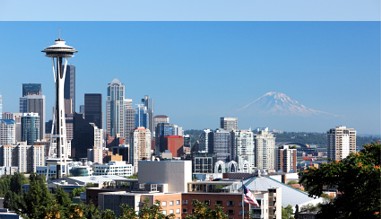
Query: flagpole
(243,203)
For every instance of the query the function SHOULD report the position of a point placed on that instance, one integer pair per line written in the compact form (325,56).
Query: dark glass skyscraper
(31,89)
(93,109)
(148,103)
(69,94)
(30,127)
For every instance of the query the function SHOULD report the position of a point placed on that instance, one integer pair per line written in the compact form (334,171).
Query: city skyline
(197,72)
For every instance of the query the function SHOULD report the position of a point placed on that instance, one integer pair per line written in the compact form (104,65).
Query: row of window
(170,203)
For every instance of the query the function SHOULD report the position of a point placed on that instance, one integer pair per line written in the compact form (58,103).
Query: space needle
(59,146)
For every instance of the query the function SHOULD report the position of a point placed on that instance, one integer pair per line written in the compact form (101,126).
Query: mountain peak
(277,103)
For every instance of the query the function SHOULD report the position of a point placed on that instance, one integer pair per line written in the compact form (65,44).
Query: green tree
(77,191)
(287,212)
(14,196)
(203,211)
(92,212)
(128,212)
(357,180)
(108,214)
(153,211)
(38,200)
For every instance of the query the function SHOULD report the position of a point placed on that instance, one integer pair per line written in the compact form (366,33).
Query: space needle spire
(58,149)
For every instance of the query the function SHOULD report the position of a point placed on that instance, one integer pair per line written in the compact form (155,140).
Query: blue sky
(199,71)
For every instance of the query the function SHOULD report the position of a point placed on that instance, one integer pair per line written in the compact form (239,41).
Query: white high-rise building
(243,145)
(265,150)
(229,123)
(7,131)
(23,156)
(98,145)
(141,146)
(116,106)
(129,119)
(341,142)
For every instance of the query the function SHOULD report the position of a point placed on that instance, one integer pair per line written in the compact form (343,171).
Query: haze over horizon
(197,72)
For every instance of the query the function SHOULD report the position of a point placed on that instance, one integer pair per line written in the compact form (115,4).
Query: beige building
(341,142)
(141,146)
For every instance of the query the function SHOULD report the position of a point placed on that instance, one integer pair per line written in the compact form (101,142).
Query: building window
(171,211)
(164,204)
(185,202)
(164,212)
(177,202)
(178,211)
(219,203)
(207,202)
(230,203)
(230,212)
(171,203)
(185,210)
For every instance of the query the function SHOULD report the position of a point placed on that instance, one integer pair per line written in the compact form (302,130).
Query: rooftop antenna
(59,33)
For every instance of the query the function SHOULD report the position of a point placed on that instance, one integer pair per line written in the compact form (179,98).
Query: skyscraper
(93,109)
(129,120)
(341,142)
(30,127)
(69,94)
(31,89)
(205,141)
(115,109)
(243,150)
(221,146)
(286,159)
(7,131)
(265,150)
(148,103)
(162,130)
(34,103)
(142,117)
(229,123)
(141,146)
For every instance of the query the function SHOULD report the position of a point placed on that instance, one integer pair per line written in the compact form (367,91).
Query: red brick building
(174,144)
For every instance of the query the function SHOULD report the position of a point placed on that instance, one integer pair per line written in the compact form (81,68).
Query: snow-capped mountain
(277,103)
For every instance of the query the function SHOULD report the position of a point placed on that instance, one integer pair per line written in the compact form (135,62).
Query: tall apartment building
(341,142)
(115,109)
(23,156)
(7,131)
(243,150)
(265,150)
(69,93)
(34,103)
(229,123)
(221,146)
(93,109)
(141,146)
(286,159)
(30,127)
(98,144)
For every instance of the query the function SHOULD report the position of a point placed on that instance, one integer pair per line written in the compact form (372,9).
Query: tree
(287,212)
(153,212)
(14,196)
(108,214)
(202,211)
(39,202)
(128,212)
(357,180)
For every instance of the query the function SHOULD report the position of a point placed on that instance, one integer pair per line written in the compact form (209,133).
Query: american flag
(249,197)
